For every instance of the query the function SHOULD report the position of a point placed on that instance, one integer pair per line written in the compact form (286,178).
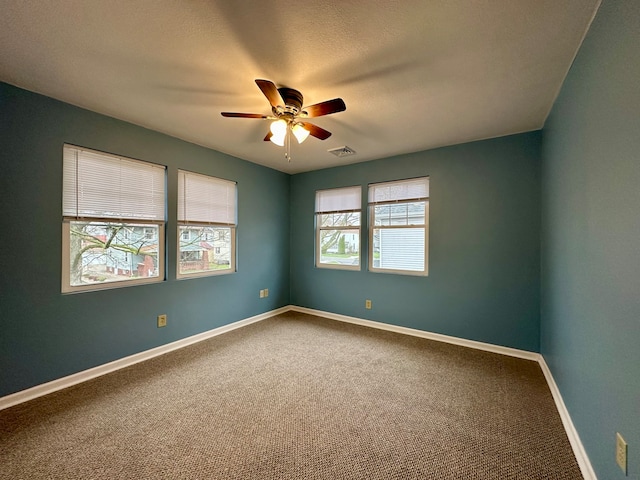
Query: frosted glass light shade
(300,132)
(279,127)
(278,139)
(279,131)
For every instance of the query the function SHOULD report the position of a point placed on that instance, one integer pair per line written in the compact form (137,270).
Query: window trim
(66,287)
(339,266)
(207,273)
(319,229)
(66,260)
(193,223)
(372,227)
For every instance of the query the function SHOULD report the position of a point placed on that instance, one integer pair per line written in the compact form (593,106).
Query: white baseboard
(578,449)
(59,384)
(488,347)
(574,439)
(83,376)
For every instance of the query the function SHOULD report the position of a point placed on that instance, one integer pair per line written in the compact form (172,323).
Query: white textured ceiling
(414,74)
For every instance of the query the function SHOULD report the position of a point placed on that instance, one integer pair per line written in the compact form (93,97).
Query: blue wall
(484,244)
(533,243)
(590,328)
(45,335)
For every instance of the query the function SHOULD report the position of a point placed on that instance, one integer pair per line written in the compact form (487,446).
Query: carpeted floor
(297,397)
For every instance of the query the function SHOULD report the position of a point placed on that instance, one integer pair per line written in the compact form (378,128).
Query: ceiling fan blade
(271,92)
(243,115)
(268,137)
(316,131)
(325,108)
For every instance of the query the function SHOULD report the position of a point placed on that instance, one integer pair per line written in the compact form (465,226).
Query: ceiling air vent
(342,151)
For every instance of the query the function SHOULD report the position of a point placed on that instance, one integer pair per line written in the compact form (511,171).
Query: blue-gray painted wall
(487,243)
(484,244)
(590,327)
(45,335)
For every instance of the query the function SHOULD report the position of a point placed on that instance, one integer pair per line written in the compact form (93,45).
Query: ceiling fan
(288,114)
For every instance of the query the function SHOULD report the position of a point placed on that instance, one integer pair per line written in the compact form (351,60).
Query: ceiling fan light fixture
(279,131)
(300,132)
(278,140)
(287,107)
(279,127)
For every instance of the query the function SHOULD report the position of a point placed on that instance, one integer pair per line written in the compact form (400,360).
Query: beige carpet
(297,397)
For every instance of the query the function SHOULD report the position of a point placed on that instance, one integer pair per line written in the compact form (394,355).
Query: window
(206,225)
(398,229)
(113,212)
(190,256)
(338,228)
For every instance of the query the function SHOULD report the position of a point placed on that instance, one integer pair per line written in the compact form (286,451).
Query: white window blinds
(100,185)
(399,191)
(205,199)
(338,200)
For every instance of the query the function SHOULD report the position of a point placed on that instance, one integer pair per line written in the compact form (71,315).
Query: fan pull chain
(287,149)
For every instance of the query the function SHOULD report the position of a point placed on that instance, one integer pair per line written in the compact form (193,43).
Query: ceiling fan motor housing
(292,100)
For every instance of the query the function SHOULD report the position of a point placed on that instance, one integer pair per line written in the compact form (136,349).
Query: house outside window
(338,213)
(399,226)
(206,225)
(113,221)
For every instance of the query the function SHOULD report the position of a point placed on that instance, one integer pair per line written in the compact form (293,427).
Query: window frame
(66,261)
(319,229)
(67,219)
(183,223)
(372,226)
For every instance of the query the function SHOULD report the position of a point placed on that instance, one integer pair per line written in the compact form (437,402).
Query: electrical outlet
(262,295)
(367,304)
(162,321)
(266,292)
(621,453)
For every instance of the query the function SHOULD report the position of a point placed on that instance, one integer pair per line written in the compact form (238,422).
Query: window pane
(398,214)
(340,247)
(381,215)
(399,248)
(105,252)
(205,249)
(415,213)
(338,219)
(345,219)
